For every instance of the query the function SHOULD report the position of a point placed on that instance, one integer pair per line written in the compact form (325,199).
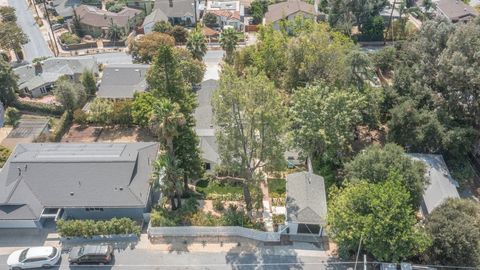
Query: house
(288,11)
(38,79)
(145,5)
(47,181)
(182,12)
(306,207)
(229,13)
(441,185)
(96,21)
(456,11)
(156,16)
(121,81)
(210,34)
(204,127)
(64,8)
(28,130)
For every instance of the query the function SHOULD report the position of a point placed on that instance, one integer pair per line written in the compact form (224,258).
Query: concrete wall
(4,224)
(107,213)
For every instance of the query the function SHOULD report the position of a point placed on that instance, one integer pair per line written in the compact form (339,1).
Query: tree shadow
(241,258)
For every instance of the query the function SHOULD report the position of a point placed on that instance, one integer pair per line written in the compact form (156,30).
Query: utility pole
(55,50)
(364,262)
(358,252)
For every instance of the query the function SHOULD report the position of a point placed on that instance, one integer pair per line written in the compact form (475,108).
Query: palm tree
(114,32)
(166,177)
(196,44)
(228,42)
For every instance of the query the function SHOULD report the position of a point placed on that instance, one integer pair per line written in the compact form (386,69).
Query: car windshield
(23,255)
(54,252)
(80,251)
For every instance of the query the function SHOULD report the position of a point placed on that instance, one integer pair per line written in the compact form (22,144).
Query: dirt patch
(207,206)
(79,133)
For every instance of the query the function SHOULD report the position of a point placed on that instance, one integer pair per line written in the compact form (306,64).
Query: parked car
(33,257)
(91,254)
(57,26)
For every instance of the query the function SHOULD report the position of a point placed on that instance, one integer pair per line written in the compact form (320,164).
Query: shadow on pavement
(261,258)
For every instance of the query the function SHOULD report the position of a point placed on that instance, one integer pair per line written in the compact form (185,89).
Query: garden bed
(212,190)
(276,191)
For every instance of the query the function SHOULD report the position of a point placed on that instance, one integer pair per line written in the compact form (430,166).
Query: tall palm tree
(229,42)
(167,178)
(114,32)
(196,44)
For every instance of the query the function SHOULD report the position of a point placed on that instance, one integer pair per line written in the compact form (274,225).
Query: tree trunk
(185,184)
(248,198)
(179,200)
(172,202)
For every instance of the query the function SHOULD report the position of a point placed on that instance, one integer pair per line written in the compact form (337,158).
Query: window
(207,166)
(308,228)
(92,209)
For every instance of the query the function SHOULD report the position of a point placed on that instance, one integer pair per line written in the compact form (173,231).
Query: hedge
(63,126)
(38,107)
(4,154)
(89,228)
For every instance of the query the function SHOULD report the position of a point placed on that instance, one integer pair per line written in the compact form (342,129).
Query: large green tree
(11,36)
(345,14)
(455,229)
(251,117)
(7,14)
(374,164)
(323,120)
(71,95)
(8,83)
(89,82)
(376,217)
(145,48)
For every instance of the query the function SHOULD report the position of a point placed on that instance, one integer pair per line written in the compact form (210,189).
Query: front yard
(276,191)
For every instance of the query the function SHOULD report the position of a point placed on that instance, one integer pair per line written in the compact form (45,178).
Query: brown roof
(280,10)
(208,32)
(227,14)
(96,17)
(456,10)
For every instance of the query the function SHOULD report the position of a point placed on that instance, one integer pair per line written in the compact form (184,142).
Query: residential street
(154,259)
(37,45)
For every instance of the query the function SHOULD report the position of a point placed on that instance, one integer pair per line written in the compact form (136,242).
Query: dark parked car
(91,254)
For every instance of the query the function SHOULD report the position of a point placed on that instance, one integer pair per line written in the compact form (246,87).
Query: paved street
(152,259)
(37,46)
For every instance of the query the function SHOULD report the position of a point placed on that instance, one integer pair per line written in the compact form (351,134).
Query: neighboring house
(64,8)
(28,130)
(121,81)
(288,11)
(204,125)
(156,16)
(96,21)
(182,12)
(306,206)
(145,5)
(48,181)
(38,79)
(456,11)
(229,13)
(441,185)
(210,34)
(293,158)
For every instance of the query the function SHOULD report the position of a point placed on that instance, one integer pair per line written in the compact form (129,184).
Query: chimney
(38,68)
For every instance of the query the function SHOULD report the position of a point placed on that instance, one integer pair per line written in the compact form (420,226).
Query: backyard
(276,191)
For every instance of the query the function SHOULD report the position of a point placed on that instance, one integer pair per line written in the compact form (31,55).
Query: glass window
(54,252)
(23,255)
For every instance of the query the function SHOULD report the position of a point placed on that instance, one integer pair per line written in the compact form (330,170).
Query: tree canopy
(375,164)
(71,95)
(8,83)
(455,231)
(379,216)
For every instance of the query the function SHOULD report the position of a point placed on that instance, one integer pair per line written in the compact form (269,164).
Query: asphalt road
(37,46)
(157,260)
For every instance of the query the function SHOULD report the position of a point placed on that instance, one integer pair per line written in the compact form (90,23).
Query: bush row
(63,125)
(38,107)
(89,228)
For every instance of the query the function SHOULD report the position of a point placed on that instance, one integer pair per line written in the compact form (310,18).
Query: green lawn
(276,186)
(212,189)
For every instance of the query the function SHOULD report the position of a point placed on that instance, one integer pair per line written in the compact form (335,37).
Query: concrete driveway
(37,46)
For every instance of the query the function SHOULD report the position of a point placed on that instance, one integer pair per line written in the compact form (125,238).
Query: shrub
(69,38)
(218,205)
(63,126)
(88,228)
(12,116)
(122,113)
(80,117)
(4,154)
(278,219)
(38,107)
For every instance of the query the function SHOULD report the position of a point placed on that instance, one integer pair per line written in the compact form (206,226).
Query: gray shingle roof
(306,198)
(175,8)
(65,7)
(441,187)
(75,175)
(122,81)
(51,69)
(204,126)
(156,16)
(280,10)
(456,10)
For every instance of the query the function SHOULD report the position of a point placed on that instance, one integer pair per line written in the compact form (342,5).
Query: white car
(33,257)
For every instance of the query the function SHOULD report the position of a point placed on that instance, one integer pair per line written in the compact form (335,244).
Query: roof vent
(71,193)
(19,171)
(120,188)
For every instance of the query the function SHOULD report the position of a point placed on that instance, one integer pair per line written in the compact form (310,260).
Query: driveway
(37,46)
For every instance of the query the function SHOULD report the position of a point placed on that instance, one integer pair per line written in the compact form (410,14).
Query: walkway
(267,209)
